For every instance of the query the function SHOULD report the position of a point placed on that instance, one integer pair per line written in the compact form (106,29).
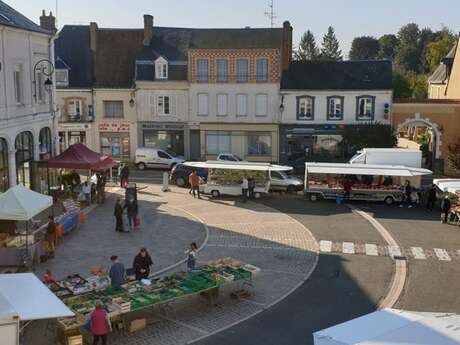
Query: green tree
(418,85)
(408,53)
(401,85)
(372,134)
(453,157)
(426,37)
(437,50)
(364,48)
(330,46)
(307,49)
(388,46)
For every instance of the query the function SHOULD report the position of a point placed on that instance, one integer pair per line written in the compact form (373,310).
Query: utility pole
(271,14)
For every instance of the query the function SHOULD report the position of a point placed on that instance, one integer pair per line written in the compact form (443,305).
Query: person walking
(244,188)
(131,210)
(87,192)
(141,264)
(251,187)
(431,199)
(100,188)
(117,272)
(51,237)
(124,178)
(407,190)
(118,213)
(191,256)
(194,180)
(445,207)
(100,324)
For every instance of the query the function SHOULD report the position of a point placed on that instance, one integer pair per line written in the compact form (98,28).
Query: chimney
(286,46)
(93,36)
(148,29)
(48,22)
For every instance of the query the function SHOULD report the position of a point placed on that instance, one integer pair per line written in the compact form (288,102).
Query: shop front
(166,136)
(115,140)
(73,133)
(24,145)
(317,143)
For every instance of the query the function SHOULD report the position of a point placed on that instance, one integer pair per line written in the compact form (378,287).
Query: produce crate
(250,268)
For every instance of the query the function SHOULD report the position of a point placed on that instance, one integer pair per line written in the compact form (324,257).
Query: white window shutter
(261,105)
(152,104)
(173,104)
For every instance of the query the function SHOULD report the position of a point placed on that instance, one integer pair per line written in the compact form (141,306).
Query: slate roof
(440,74)
(338,75)
(10,17)
(72,49)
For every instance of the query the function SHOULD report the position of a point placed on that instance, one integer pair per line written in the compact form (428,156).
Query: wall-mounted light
(131,102)
(48,85)
(282,105)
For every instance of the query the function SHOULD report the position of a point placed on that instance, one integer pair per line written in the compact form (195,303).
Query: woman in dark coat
(131,210)
(141,264)
(118,213)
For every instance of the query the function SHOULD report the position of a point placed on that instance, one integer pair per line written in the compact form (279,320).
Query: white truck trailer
(394,156)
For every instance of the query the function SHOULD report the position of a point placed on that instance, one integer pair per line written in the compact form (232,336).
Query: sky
(350,18)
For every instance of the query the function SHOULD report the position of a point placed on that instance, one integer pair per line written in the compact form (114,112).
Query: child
(191,256)
(48,278)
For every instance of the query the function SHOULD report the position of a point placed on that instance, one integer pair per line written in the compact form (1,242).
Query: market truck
(393,156)
(367,182)
(224,178)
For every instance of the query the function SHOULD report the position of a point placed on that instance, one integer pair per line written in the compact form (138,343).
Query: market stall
(21,204)
(452,188)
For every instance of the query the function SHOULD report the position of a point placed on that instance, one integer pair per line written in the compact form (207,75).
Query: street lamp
(47,68)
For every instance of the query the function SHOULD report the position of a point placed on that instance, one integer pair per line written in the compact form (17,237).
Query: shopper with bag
(132,211)
(100,324)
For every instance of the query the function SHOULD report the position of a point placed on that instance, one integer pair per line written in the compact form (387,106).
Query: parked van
(147,157)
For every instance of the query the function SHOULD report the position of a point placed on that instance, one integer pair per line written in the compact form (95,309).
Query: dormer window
(62,77)
(161,68)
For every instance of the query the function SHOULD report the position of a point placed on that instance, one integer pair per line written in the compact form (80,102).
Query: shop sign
(163,126)
(113,127)
(73,126)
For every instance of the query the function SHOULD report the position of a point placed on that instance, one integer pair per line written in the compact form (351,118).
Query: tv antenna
(271,14)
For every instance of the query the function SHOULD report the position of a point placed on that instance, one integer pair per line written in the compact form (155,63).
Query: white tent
(450,185)
(364,169)
(238,166)
(9,323)
(21,203)
(393,327)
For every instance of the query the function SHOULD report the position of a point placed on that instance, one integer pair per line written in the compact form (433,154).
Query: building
(319,99)
(438,81)
(26,97)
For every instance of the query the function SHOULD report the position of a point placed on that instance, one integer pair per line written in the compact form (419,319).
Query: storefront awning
(364,169)
(79,157)
(238,166)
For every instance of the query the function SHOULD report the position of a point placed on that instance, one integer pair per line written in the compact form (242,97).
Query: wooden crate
(137,325)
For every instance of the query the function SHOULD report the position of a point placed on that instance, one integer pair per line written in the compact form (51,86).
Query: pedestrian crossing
(394,252)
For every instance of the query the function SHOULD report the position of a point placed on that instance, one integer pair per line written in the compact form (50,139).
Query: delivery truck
(393,156)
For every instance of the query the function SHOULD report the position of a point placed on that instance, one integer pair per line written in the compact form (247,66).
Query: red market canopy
(79,157)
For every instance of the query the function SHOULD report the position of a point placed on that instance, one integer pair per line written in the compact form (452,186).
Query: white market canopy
(393,327)
(30,298)
(450,185)
(238,166)
(364,169)
(21,203)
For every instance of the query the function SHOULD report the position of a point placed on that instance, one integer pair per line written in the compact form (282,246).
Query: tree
(408,53)
(418,85)
(388,46)
(453,157)
(364,48)
(408,84)
(330,46)
(401,85)
(426,37)
(372,134)
(307,49)
(437,50)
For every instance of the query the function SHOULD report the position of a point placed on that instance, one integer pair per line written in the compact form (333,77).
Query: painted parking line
(325,246)
(348,248)
(371,249)
(442,254)
(394,251)
(418,253)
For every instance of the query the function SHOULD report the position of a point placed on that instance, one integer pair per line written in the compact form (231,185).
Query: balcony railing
(239,78)
(76,118)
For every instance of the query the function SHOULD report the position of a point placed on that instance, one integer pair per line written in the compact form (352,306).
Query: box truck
(394,156)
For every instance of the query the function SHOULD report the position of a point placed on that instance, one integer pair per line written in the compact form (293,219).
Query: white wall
(271,89)
(320,114)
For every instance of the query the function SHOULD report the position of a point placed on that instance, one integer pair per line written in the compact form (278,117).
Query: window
(241,105)
(305,107)
(276,175)
(161,69)
(217,142)
(222,104)
(17,83)
(115,145)
(4,168)
(164,155)
(39,87)
(74,108)
(261,105)
(365,107)
(166,105)
(45,142)
(202,70)
(259,144)
(262,69)
(62,77)
(242,70)
(222,70)
(113,109)
(203,104)
(335,108)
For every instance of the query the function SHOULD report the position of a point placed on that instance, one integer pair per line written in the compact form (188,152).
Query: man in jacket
(118,213)
(445,207)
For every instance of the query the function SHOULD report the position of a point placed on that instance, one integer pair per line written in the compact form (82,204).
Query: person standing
(117,272)
(407,190)
(141,264)
(244,188)
(100,324)
(100,188)
(251,187)
(191,256)
(131,210)
(347,189)
(51,237)
(445,207)
(118,213)
(87,192)
(194,180)
(431,200)
(124,178)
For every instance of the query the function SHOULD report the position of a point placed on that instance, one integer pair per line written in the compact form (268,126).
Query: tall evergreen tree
(408,54)
(307,49)
(364,48)
(388,46)
(330,46)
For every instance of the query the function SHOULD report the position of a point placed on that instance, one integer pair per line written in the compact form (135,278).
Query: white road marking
(348,248)
(394,251)
(325,246)
(371,249)
(442,254)
(418,253)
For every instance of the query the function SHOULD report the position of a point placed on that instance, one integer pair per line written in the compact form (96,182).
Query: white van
(147,157)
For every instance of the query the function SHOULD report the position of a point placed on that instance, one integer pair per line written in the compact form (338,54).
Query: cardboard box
(137,325)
